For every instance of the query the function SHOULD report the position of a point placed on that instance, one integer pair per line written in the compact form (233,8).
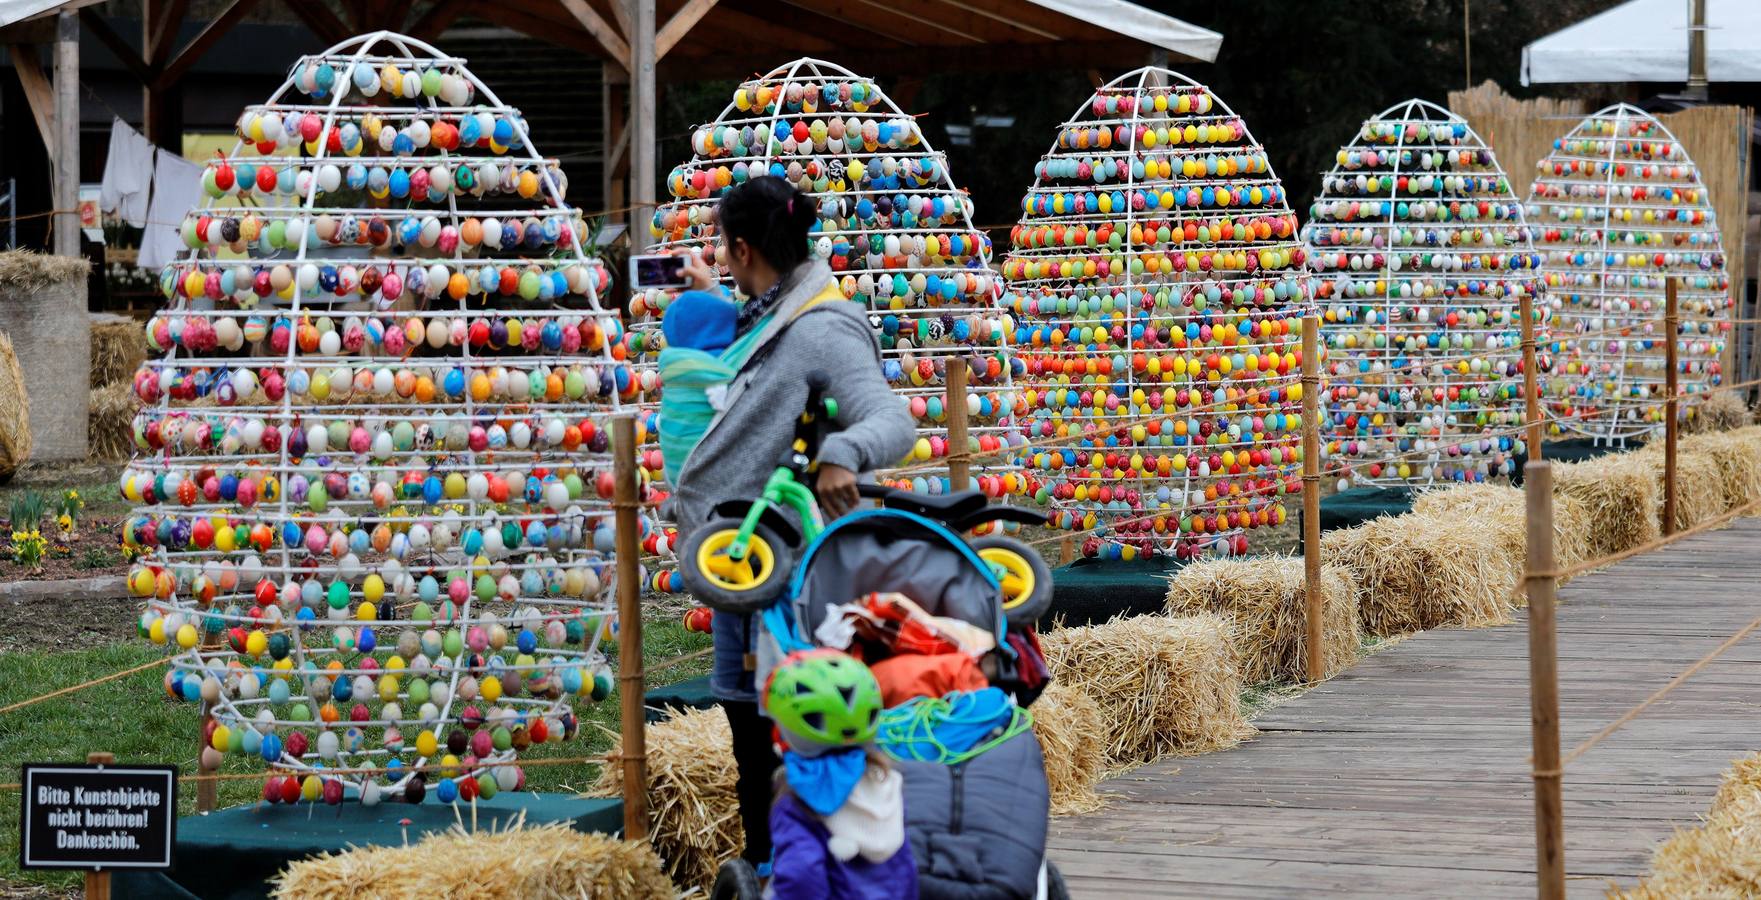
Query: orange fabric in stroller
(911,675)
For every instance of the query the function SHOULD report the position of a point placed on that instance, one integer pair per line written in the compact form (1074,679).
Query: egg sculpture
(1422,260)
(896,231)
(1620,209)
(372,489)
(1159,281)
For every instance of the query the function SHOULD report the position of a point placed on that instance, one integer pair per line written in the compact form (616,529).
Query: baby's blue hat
(700,320)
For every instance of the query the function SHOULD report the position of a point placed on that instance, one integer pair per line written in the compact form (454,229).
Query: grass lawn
(131,718)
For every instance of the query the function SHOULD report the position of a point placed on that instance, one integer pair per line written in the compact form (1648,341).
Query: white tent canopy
(1146,25)
(1647,40)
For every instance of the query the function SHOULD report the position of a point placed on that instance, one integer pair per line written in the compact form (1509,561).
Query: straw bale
(15,411)
(1622,497)
(1699,483)
(22,271)
(1723,411)
(1719,858)
(118,349)
(1164,684)
(1503,511)
(1738,457)
(1415,572)
(694,814)
(1069,726)
(112,421)
(551,860)
(1264,599)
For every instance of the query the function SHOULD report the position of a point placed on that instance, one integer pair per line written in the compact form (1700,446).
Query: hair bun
(803,210)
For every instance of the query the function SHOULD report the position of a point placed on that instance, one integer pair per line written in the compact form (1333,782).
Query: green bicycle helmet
(824,697)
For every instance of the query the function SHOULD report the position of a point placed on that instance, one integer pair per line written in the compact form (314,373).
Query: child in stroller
(976,809)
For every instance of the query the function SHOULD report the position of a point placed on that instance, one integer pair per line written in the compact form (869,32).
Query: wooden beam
(318,17)
(1017,17)
(38,93)
(160,30)
(727,20)
(858,17)
(202,42)
(131,59)
(601,30)
(67,230)
(437,19)
(679,25)
(1064,56)
(620,12)
(532,25)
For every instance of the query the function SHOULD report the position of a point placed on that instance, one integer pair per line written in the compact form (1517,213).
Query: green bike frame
(787,487)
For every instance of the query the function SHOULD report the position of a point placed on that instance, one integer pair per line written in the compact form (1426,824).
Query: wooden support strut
(98,883)
(643,116)
(1671,401)
(1540,583)
(1314,658)
(1531,377)
(629,588)
(66,188)
(954,402)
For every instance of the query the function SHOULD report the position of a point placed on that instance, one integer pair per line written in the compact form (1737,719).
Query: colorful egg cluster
(372,493)
(1619,209)
(1159,282)
(894,228)
(1421,258)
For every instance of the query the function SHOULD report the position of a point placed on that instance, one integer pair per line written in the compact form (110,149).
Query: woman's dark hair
(772,217)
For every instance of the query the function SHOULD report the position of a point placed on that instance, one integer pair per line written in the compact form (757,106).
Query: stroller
(977,827)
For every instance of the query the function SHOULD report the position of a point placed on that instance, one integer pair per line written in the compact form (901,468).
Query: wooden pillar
(615,100)
(643,116)
(954,403)
(98,883)
(67,231)
(1314,658)
(630,674)
(1540,583)
(1671,401)
(1531,379)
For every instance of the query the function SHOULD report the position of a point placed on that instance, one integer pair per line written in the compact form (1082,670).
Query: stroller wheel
(743,585)
(1027,580)
(1056,889)
(736,880)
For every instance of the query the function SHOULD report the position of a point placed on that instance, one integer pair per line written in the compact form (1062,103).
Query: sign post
(97,817)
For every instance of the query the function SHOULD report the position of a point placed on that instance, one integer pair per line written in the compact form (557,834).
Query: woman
(796,323)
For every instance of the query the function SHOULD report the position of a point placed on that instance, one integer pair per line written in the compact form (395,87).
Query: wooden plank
(609,40)
(1408,775)
(328,26)
(202,42)
(437,18)
(38,93)
(679,25)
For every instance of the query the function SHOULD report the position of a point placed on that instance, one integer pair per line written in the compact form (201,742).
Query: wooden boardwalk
(1408,776)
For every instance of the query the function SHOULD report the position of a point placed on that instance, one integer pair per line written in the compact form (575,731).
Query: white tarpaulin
(1647,40)
(1145,25)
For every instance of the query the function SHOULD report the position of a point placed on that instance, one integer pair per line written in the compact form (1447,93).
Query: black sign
(98,817)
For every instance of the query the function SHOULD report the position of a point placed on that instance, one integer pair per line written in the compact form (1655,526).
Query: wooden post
(1671,401)
(643,116)
(1539,581)
(98,883)
(66,188)
(1067,550)
(954,404)
(630,675)
(207,790)
(1311,499)
(1531,379)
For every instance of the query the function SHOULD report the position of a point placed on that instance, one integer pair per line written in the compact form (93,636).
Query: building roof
(1647,40)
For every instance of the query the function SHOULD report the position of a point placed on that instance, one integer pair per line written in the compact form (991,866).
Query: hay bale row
(15,412)
(1737,454)
(1699,484)
(1264,599)
(1503,511)
(118,349)
(553,860)
(1621,495)
(1723,411)
(1164,684)
(111,421)
(1719,858)
(1069,726)
(1415,572)
(694,813)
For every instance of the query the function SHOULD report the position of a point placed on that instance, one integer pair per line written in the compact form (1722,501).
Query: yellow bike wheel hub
(730,574)
(1015,573)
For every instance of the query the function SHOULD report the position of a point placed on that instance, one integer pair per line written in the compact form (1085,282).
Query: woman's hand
(698,274)
(837,490)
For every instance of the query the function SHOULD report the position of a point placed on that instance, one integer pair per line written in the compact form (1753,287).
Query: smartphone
(657,271)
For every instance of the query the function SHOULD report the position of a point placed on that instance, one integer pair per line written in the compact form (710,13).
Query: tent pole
(1697,50)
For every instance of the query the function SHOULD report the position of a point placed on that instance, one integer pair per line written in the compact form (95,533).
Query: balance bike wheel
(736,880)
(736,586)
(1027,580)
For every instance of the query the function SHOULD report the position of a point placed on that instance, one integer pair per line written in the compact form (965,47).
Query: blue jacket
(803,869)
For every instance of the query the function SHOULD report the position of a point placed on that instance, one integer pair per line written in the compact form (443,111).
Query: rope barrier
(83,685)
(375,770)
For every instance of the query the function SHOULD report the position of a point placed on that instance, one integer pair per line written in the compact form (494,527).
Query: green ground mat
(232,854)
(692,693)
(1094,590)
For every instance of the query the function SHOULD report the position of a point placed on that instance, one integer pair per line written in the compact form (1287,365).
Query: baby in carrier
(699,328)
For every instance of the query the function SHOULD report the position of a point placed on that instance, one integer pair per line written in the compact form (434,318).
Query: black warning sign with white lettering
(98,817)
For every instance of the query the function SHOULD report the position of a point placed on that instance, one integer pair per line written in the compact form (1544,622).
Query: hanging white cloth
(177,189)
(128,175)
